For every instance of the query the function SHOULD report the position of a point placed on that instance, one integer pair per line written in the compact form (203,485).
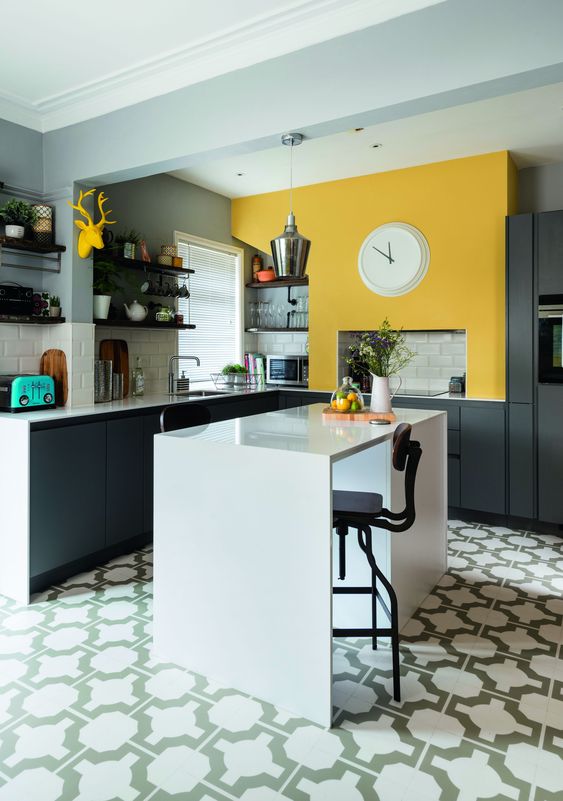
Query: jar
(347,398)
(257,265)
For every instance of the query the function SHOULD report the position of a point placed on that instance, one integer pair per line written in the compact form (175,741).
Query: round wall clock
(393,259)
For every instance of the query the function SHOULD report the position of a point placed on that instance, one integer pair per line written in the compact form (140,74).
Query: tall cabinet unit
(520,366)
(534,277)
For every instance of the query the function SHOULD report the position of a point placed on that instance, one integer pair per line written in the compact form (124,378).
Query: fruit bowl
(266,275)
(347,398)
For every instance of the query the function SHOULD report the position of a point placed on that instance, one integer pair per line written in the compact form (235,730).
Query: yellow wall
(460,207)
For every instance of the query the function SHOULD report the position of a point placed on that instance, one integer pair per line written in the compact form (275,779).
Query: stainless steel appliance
(550,343)
(292,370)
(16,299)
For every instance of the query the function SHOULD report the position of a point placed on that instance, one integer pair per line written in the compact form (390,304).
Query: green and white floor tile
(87,715)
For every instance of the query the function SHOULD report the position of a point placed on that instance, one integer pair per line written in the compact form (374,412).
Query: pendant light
(290,250)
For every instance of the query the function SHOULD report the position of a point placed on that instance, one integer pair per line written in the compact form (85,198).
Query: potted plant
(16,215)
(381,353)
(54,306)
(104,284)
(128,241)
(234,374)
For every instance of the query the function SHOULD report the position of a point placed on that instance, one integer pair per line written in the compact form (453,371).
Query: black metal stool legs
(342,532)
(365,543)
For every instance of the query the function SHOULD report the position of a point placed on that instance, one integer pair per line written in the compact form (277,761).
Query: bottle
(138,380)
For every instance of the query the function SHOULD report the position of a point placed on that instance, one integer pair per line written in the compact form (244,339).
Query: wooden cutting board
(357,417)
(117,352)
(53,363)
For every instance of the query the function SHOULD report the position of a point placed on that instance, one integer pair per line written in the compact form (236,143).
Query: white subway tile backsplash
(18,347)
(9,364)
(438,356)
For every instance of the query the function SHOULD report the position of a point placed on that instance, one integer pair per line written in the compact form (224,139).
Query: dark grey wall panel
(68,494)
(521,309)
(550,253)
(483,458)
(124,507)
(521,461)
(550,453)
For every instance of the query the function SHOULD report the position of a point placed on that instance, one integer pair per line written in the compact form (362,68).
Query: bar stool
(364,511)
(183,415)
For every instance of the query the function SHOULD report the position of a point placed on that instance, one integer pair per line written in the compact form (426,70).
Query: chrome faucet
(171,361)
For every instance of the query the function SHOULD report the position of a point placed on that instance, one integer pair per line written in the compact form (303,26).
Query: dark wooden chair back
(184,415)
(406,456)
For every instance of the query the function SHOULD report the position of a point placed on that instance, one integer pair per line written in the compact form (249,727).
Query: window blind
(213,307)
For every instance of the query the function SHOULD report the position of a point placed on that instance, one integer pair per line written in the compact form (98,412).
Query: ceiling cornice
(265,37)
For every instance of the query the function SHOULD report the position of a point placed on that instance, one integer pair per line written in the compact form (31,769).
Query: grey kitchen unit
(534,277)
(474,428)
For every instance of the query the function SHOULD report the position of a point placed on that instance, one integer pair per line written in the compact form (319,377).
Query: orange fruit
(352,397)
(343,404)
(334,404)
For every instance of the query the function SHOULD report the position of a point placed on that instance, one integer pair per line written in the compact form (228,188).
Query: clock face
(393,259)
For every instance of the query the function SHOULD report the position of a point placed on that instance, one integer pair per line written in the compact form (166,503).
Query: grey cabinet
(550,253)
(124,479)
(67,494)
(521,461)
(483,462)
(521,308)
(550,453)
(151,426)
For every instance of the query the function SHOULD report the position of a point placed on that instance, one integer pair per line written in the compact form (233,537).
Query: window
(214,306)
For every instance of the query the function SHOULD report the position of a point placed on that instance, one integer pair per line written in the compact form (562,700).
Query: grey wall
(540,188)
(21,159)
(159,205)
(335,85)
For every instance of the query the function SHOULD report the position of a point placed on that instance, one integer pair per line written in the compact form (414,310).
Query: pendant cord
(291,178)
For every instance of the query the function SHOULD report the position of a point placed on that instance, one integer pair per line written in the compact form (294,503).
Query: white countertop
(301,429)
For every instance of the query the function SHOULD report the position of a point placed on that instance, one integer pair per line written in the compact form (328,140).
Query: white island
(243,545)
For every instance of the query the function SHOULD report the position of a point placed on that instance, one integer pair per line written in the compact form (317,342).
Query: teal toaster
(20,393)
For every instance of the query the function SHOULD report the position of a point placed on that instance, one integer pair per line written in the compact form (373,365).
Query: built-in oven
(291,370)
(550,343)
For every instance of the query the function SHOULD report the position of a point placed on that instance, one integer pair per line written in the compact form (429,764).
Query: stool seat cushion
(355,504)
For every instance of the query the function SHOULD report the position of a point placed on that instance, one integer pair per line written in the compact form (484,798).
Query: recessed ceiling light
(357,130)
(240,174)
(377,144)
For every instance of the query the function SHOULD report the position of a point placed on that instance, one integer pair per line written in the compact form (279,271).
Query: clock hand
(382,253)
(389,248)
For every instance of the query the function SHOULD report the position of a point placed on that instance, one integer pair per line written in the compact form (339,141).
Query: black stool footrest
(362,632)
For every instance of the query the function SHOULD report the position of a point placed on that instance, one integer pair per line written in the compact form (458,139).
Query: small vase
(54,311)
(101,306)
(380,394)
(15,231)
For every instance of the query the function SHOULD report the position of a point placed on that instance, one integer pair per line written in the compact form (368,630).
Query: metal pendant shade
(290,250)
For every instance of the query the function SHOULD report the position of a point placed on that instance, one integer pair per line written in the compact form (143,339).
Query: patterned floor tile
(87,714)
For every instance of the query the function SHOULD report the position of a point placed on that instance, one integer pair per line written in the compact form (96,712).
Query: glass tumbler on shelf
(281,318)
(253,306)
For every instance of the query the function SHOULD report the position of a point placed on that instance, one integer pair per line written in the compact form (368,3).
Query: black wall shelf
(28,320)
(144,324)
(279,282)
(30,246)
(276,330)
(145,266)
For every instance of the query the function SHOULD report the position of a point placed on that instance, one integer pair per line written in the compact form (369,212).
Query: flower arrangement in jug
(382,353)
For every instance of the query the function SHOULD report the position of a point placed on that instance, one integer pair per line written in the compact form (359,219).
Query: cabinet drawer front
(483,459)
(67,496)
(450,407)
(453,442)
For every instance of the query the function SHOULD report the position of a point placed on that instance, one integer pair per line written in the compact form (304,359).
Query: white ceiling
(73,61)
(529,124)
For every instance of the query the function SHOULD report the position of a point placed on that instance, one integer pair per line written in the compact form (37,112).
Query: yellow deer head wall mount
(90,232)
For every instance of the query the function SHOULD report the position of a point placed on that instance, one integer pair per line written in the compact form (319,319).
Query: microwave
(292,370)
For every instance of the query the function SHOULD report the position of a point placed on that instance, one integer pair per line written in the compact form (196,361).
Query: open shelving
(278,282)
(30,320)
(144,324)
(276,330)
(28,248)
(145,266)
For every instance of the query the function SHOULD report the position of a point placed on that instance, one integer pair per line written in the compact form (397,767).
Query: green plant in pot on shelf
(127,241)
(234,374)
(16,216)
(105,283)
(54,306)
(381,354)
